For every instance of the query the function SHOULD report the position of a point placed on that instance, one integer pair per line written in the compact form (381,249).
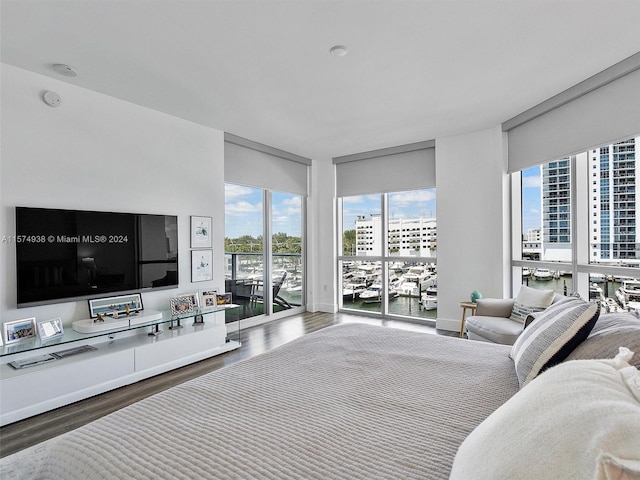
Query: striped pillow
(552,336)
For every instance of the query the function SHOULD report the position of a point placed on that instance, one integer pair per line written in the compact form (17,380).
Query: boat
(628,295)
(595,292)
(350,291)
(408,289)
(373,294)
(543,274)
(429,301)
(526,272)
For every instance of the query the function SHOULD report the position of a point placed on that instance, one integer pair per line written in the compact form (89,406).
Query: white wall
(473,221)
(321,239)
(97,152)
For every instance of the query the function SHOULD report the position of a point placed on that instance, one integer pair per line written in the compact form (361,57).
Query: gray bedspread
(351,401)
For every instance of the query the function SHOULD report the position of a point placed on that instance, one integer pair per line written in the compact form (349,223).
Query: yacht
(628,294)
(350,291)
(543,274)
(429,301)
(373,294)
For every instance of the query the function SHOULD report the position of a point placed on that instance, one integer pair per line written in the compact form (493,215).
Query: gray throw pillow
(611,331)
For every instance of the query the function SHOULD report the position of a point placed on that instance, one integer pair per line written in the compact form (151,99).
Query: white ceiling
(416,70)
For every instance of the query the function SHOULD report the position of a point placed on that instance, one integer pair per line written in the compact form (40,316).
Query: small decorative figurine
(99,318)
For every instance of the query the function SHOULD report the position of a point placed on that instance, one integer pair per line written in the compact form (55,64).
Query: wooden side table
(466,306)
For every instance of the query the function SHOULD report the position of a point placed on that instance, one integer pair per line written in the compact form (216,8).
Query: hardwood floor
(255,340)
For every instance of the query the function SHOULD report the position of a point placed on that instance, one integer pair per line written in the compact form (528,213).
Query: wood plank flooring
(255,340)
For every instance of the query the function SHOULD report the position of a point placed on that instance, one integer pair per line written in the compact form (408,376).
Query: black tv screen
(65,255)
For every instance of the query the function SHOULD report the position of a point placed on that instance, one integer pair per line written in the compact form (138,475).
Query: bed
(351,401)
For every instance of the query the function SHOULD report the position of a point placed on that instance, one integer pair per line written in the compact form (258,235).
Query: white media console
(80,365)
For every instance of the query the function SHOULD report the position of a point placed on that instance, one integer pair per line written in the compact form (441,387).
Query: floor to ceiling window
(388,235)
(265,201)
(388,261)
(578,220)
(574,172)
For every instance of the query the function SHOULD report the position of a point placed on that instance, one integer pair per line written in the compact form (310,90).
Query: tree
(349,242)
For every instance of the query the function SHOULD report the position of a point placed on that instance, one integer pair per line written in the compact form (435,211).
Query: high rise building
(613,173)
(612,206)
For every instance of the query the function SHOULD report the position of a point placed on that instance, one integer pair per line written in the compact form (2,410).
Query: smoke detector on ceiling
(51,98)
(65,70)
(338,51)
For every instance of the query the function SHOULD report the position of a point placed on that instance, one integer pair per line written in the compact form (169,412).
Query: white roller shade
(600,110)
(397,169)
(256,165)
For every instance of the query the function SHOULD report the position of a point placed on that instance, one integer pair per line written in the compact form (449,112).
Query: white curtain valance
(257,165)
(598,111)
(396,169)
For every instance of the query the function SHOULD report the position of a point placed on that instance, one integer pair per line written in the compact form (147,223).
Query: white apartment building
(407,237)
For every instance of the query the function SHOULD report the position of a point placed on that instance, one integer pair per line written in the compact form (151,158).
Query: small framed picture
(201,232)
(224,299)
(195,299)
(201,265)
(19,330)
(208,299)
(49,329)
(115,306)
(182,305)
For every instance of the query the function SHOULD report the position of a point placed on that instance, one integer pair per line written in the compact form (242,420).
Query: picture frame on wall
(201,265)
(18,330)
(50,329)
(201,232)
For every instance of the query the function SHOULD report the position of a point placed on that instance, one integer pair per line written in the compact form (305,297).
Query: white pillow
(530,300)
(578,420)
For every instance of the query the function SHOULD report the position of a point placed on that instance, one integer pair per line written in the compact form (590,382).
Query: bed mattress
(352,401)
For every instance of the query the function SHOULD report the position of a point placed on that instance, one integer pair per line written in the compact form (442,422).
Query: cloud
(231,191)
(242,208)
(531,182)
(411,198)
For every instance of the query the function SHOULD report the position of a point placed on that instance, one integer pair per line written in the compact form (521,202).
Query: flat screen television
(66,255)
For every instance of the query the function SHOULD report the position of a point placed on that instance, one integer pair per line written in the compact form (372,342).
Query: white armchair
(495,320)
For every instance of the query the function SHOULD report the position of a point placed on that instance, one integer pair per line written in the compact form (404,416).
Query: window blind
(602,109)
(257,165)
(395,169)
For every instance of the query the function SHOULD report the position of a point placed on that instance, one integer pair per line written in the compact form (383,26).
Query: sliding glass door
(264,238)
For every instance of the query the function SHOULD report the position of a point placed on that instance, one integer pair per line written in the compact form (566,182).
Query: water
(406,306)
(410,306)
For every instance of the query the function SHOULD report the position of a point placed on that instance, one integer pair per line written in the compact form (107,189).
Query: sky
(412,204)
(243,212)
(531,195)
(243,207)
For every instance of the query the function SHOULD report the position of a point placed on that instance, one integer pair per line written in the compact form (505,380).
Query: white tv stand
(120,356)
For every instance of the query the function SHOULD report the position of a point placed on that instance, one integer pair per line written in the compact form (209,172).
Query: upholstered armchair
(502,320)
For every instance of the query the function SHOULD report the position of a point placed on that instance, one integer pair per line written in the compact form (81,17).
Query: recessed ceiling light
(338,51)
(65,70)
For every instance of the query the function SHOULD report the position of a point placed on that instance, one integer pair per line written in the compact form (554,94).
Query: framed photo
(19,330)
(195,299)
(115,306)
(224,299)
(201,232)
(201,265)
(208,299)
(182,305)
(49,329)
